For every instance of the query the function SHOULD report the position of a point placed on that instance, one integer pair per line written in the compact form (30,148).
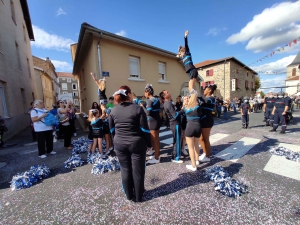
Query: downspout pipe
(99,57)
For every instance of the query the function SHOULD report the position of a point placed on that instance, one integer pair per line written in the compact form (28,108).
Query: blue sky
(247,30)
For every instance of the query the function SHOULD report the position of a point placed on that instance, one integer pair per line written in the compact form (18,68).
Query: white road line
(217,137)
(162,128)
(165,133)
(29,151)
(238,149)
(282,166)
(167,141)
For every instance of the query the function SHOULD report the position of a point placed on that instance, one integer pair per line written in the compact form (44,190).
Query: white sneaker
(177,161)
(190,167)
(153,161)
(205,159)
(54,139)
(186,147)
(184,152)
(111,148)
(75,134)
(197,163)
(202,156)
(43,156)
(150,152)
(52,153)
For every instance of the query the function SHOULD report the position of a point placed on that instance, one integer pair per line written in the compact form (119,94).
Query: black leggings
(132,158)
(44,140)
(68,133)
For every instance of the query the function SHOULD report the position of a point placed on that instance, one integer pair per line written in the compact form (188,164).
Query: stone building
(67,85)
(123,61)
(293,76)
(46,81)
(17,82)
(232,77)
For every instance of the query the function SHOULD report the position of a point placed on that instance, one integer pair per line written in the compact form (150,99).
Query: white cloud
(46,40)
(122,33)
(272,27)
(277,81)
(60,11)
(62,66)
(215,31)
(278,66)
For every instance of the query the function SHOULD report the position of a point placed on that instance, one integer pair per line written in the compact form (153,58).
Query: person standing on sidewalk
(43,132)
(67,130)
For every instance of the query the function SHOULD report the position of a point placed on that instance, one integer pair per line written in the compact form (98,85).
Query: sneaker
(282,132)
(107,152)
(111,148)
(186,147)
(205,159)
(190,167)
(52,153)
(153,161)
(197,163)
(43,156)
(202,156)
(177,161)
(150,152)
(75,134)
(272,130)
(184,152)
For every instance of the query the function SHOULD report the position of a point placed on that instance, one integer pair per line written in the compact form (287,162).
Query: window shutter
(203,84)
(207,72)
(161,68)
(134,66)
(212,82)
(211,72)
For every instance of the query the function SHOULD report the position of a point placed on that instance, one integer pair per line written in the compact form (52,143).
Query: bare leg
(107,141)
(196,149)
(94,145)
(100,145)
(204,141)
(191,84)
(155,142)
(190,141)
(183,142)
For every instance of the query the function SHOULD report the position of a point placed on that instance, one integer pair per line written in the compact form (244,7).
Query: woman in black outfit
(129,127)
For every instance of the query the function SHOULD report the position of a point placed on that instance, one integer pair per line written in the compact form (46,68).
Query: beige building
(68,84)
(123,62)
(293,76)
(232,77)
(17,82)
(46,81)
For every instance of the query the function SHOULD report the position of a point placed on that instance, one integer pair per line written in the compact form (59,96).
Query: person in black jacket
(245,111)
(186,56)
(129,127)
(280,110)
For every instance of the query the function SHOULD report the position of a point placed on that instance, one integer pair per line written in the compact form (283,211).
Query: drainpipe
(99,57)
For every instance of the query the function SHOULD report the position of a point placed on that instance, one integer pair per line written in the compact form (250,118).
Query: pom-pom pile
(287,153)
(74,161)
(104,165)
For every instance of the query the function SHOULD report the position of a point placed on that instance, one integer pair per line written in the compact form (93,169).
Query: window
(237,83)
(12,8)
(252,85)
(24,33)
(23,99)
(246,84)
(247,73)
(18,56)
(162,70)
(74,86)
(65,92)
(69,80)
(134,67)
(75,93)
(63,78)
(209,72)
(64,86)
(294,72)
(76,102)
(28,66)
(3,100)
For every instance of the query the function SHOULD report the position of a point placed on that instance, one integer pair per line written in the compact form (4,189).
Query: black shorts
(193,73)
(193,129)
(106,129)
(207,121)
(98,133)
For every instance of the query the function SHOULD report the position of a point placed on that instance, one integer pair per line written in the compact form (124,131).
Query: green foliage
(262,94)
(257,83)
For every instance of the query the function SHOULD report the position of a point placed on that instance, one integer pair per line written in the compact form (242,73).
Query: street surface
(174,195)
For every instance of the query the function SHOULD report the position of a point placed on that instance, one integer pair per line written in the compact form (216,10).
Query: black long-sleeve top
(128,123)
(174,117)
(187,58)
(207,104)
(152,107)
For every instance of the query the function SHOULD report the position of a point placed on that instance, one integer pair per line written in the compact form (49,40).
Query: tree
(262,94)
(257,83)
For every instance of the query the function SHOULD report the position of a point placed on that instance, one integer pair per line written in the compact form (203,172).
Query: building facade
(293,76)
(67,85)
(123,61)
(48,80)
(232,77)
(17,80)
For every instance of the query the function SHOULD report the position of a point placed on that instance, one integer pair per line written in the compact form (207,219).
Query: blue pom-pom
(287,153)
(80,145)
(30,177)
(224,183)
(104,165)
(74,161)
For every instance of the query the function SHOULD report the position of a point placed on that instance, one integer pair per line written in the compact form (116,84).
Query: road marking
(238,149)
(162,128)
(217,137)
(282,166)
(29,151)
(167,141)
(165,133)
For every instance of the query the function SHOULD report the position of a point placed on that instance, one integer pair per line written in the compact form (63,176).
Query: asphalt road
(174,195)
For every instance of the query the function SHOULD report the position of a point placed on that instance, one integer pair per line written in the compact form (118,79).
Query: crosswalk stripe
(238,149)
(165,133)
(162,128)
(217,137)
(282,166)
(167,141)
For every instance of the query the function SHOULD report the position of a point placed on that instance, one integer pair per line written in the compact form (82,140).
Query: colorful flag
(295,41)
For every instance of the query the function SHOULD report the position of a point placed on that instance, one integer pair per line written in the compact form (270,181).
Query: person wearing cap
(280,109)
(268,108)
(245,111)
(129,128)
